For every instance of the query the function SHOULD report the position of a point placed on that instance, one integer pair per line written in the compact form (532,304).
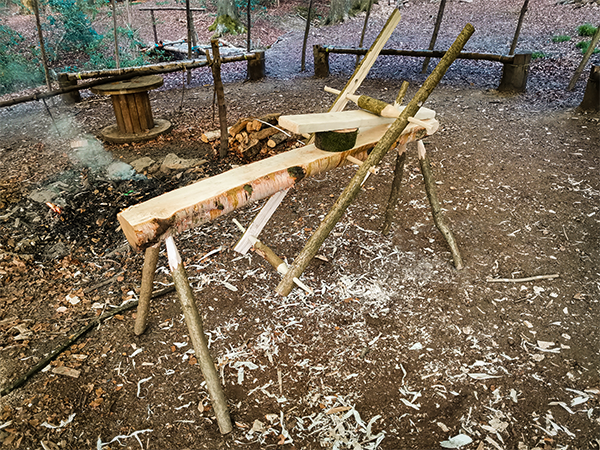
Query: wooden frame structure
(147,224)
(514,73)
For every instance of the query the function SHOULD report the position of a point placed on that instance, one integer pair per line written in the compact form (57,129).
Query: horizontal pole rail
(172,8)
(121,75)
(158,68)
(420,53)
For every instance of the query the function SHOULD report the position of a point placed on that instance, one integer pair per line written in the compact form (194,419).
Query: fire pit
(132,110)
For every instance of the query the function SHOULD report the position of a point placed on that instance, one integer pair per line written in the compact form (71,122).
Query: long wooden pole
(124,74)
(436,30)
(436,209)
(395,191)
(36,10)
(362,34)
(216,70)
(585,59)
(316,240)
(115,34)
(306,30)
(189,37)
(513,46)
(196,330)
(150,261)
(248,19)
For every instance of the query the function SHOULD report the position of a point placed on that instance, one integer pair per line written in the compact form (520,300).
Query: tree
(342,9)
(228,19)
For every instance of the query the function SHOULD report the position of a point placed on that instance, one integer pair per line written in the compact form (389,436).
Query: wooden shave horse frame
(147,224)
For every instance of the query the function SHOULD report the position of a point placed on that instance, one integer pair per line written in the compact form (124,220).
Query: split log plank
(314,123)
(147,223)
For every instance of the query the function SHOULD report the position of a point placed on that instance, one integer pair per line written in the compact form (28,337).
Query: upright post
(513,46)
(321,61)
(256,66)
(302,65)
(248,18)
(436,29)
(36,10)
(362,34)
(114,14)
(514,75)
(153,19)
(387,141)
(189,37)
(215,65)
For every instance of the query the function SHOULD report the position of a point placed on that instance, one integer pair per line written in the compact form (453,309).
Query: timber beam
(150,222)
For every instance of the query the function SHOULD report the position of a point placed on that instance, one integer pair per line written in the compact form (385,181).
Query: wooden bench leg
(150,261)
(196,332)
(395,192)
(436,209)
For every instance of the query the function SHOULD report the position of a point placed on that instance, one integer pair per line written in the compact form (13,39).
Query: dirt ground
(395,349)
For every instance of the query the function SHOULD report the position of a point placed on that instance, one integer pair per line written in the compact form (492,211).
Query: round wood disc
(337,140)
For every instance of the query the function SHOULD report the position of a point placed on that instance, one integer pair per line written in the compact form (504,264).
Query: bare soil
(409,351)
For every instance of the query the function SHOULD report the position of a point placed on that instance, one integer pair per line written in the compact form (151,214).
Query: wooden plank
(184,208)
(259,222)
(367,62)
(313,123)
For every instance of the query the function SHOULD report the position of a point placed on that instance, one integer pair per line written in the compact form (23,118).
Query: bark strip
(387,141)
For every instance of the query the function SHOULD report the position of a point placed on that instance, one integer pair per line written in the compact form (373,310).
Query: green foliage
(561,38)
(587,29)
(19,67)
(585,45)
(72,24)
(538,55)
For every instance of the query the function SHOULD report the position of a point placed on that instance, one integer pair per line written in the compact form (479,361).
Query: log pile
(250,136)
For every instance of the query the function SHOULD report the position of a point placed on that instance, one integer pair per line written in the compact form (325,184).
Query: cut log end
(337,140)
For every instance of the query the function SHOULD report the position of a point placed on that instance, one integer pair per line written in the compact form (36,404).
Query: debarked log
(187,207)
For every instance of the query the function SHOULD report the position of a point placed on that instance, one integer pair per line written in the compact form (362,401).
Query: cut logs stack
(251,136)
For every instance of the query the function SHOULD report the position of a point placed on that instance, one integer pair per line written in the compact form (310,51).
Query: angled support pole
(436,209)
(316,240)
(150,261)
(196,330)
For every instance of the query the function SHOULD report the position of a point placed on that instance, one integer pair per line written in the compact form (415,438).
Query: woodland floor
(411,350)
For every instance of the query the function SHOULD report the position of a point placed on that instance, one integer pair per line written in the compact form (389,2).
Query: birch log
(147,223)
(387,141)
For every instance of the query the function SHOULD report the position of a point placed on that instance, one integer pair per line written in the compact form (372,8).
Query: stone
(141,164)
(174,162)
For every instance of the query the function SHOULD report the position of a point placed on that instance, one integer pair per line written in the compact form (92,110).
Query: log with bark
(147,223)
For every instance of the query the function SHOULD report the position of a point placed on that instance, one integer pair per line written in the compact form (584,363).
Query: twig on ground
(522,280)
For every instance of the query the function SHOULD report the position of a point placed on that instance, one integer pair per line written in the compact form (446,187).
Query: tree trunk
(114,14)
(42,46)
(338,11)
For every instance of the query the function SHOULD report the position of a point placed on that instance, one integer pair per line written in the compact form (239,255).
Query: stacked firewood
(250,136)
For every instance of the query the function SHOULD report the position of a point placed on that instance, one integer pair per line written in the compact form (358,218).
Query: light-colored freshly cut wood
(276,139)
(147,223)
(313,123)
